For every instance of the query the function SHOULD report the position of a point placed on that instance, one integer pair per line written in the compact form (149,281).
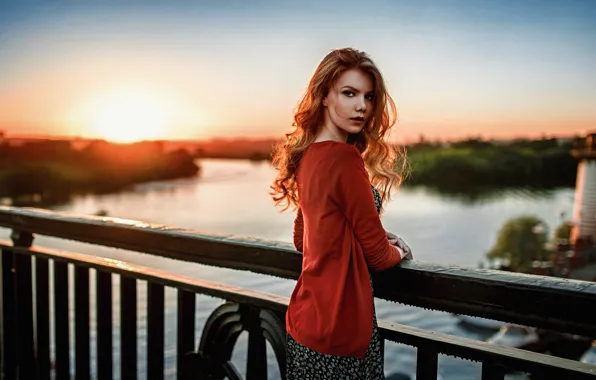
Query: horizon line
(539,136)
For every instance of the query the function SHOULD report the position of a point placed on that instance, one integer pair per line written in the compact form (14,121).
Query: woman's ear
(324,102)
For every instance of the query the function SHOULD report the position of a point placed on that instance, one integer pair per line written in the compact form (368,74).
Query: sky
(127,70)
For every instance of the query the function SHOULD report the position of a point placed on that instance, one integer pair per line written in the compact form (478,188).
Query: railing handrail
(551,303)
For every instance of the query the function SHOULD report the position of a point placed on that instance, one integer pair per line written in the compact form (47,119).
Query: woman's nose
(361,106)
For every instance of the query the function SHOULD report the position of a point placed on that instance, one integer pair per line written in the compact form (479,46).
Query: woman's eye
(348,93)
(370,97)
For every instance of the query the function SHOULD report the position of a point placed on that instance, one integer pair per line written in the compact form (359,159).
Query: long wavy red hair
(385,164)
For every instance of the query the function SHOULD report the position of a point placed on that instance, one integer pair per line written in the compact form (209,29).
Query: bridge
(27,271)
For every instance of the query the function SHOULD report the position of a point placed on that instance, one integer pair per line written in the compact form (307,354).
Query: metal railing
(550,303)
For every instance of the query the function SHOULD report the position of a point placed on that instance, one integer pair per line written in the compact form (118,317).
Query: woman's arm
(355,198)
(299,231)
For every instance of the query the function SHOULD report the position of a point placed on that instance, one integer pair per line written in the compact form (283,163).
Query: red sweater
(341,236)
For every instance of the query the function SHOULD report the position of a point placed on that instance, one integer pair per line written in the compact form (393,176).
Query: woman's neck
(329,131)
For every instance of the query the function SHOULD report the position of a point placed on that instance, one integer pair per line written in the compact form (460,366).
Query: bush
(521,241)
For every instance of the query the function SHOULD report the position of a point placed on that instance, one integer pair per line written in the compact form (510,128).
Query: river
(231,197)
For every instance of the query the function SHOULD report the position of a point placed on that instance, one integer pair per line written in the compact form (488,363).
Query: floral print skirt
(306,364)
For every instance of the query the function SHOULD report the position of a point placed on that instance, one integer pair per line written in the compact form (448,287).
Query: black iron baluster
(490,371)
(103,306)
(62,342)
(42,297)
(256,363)
(24,300)
(426,363)
(383,342)
(186,327)
(128,328)
(155,331)
(9,332)
(82,348)
(256,360)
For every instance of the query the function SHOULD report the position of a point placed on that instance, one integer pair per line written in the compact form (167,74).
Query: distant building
(584,211)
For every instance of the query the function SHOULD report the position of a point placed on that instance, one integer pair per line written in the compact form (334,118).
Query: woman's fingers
(397,241)
(402,244)
(390,235)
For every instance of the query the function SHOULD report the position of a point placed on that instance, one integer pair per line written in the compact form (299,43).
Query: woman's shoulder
(336,152)
(331,159)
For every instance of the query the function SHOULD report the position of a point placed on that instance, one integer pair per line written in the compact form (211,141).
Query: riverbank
(476,165)
(54,170)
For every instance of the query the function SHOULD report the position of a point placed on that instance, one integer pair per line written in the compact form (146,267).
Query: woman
(338,171)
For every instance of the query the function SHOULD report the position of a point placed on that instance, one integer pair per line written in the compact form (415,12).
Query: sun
(128,115)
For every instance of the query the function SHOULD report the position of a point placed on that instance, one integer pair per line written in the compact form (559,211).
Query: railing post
(27,366)
(9,318)
(103,307)
(490,371)
(155,331)
(61,320)
(22,239)
(426,363)
(256,364)
(42,317)
(128,327)
(82,320)
(186,327)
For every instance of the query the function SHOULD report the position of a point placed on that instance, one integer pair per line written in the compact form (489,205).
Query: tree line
(56,169)
(476,164)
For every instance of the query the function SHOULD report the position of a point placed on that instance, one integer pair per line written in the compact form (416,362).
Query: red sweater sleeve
(299,231)
(355,197)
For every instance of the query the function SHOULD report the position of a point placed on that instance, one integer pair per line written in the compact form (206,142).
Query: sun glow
(128,115)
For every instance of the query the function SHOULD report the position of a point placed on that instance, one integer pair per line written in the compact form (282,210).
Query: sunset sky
(192,69)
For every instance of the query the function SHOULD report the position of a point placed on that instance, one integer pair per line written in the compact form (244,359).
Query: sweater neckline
(326,142)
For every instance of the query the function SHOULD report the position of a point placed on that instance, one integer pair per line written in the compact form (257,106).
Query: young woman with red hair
(337,170)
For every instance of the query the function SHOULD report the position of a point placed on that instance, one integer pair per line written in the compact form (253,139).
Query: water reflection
(470,196)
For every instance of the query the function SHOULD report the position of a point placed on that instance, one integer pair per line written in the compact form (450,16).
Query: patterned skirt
(304,363)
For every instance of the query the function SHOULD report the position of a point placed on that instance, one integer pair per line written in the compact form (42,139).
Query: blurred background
(166,112)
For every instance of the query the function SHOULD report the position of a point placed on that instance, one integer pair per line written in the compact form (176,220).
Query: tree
(562,236)
(563,231)
(520,240)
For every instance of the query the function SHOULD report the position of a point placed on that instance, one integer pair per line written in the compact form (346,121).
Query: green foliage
(520,240)
(563,231)
(54,170)
(474,164)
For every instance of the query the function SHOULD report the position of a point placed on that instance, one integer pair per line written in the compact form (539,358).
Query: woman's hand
(398,242)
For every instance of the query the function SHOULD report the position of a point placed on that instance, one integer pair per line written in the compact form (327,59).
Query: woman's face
(349,102)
